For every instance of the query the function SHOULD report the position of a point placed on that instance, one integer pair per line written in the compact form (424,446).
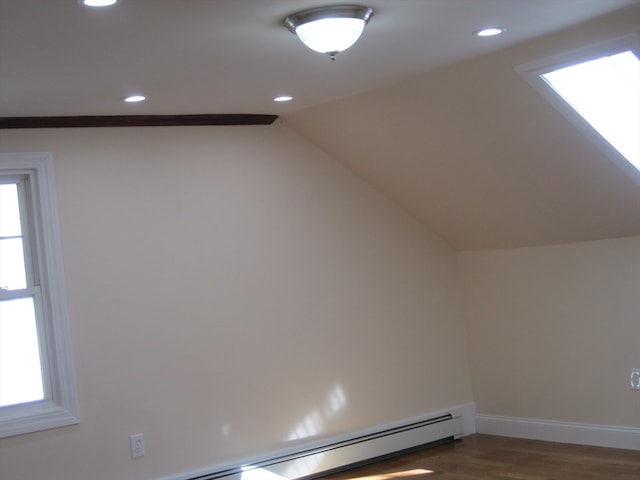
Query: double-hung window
(37,386)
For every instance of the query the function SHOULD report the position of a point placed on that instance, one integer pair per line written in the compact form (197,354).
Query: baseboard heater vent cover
(336,456)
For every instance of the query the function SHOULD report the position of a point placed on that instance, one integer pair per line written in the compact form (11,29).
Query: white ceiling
(233,56)
(432,116)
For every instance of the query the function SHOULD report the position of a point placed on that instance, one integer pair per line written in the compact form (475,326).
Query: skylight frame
(532,72)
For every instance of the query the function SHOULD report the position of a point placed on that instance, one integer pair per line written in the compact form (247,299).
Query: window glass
(12,265)
(9,211)
(20,369)
(12,272)
(606,93)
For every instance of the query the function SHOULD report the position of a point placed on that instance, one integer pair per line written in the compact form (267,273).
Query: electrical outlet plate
(137,445)
(634,379)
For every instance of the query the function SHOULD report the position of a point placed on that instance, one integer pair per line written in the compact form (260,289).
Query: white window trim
(531,72)
(60,407)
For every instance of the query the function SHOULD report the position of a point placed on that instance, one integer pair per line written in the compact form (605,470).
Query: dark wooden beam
(136,120)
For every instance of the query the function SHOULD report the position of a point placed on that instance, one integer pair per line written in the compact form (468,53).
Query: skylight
(597,87)
(606,93)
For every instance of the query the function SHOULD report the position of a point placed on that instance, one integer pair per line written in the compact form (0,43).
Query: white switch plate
(137,445)
(634,379)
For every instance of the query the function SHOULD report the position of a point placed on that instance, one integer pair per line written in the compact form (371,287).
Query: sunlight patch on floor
(388,476)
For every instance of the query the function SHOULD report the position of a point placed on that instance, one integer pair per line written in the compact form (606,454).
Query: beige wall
(554,331)
(223,283)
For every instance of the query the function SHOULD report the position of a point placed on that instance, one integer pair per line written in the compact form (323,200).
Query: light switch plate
(634,379)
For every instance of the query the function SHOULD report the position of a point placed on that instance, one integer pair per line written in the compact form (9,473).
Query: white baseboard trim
(563,432)
(468,413)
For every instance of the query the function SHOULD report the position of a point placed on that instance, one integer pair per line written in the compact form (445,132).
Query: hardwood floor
(487,457)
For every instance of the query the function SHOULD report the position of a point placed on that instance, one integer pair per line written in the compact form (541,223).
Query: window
(37,386)
(598,88)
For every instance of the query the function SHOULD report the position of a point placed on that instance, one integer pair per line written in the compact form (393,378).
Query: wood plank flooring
(488,457)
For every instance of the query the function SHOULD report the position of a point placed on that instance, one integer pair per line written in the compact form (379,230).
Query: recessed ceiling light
(283,98)
(489,32)
(134,98)
(98,3)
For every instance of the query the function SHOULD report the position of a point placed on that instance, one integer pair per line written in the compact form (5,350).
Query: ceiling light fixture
(283,98)
(98,3)
(330,29)
(489,32)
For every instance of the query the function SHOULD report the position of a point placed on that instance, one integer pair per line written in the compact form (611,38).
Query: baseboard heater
(311,463)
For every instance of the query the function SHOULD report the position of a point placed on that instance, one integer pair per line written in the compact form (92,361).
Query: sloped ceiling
(479,156)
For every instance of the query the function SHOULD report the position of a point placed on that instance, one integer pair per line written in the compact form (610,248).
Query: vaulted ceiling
(432,116)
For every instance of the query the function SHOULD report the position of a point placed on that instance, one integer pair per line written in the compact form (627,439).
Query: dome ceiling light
(330,29)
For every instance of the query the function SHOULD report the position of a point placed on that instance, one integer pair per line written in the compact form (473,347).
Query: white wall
(554,331)
(223,284)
